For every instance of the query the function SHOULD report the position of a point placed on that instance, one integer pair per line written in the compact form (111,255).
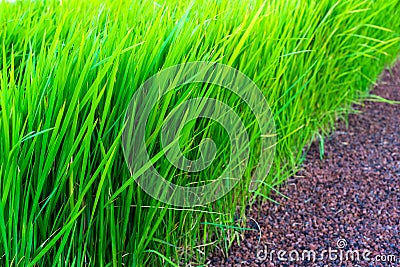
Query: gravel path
(344,208)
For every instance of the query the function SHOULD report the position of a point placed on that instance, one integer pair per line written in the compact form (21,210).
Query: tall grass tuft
(69,68)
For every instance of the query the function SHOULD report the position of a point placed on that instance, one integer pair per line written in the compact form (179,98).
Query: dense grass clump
(69,68)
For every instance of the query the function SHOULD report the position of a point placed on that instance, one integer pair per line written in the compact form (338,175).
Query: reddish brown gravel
(348,202)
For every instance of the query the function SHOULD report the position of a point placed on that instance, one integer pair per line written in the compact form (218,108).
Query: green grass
(68,72)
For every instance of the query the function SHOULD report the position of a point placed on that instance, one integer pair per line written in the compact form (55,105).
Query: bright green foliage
(68,70)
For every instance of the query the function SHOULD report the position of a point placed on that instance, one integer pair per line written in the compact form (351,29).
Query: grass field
(69,69)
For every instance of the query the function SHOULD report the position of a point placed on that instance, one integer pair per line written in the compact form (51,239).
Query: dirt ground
(343,210)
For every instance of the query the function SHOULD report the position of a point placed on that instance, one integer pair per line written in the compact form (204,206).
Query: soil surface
(344,208)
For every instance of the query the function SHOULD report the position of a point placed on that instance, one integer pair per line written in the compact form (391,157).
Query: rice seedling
(69,69)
